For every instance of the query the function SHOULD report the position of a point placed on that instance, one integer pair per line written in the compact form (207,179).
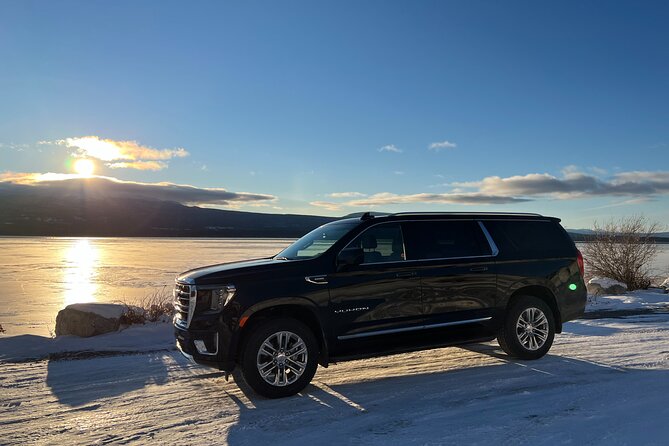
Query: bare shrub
(154,307)
(2,330)
(623,250)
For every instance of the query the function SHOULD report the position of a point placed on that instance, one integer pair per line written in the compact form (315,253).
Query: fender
(549,292)
(303,303)
(527,282)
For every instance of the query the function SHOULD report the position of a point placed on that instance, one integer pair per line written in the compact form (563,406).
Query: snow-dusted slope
(604,382)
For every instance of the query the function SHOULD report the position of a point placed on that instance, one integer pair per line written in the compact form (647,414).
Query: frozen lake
(41,275)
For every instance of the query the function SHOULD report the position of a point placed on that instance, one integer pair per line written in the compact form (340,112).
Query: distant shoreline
(577,237)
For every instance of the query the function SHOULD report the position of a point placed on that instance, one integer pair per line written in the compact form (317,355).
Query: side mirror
(350,257)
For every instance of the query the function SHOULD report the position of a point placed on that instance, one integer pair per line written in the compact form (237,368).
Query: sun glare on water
(84,167)
(80,272)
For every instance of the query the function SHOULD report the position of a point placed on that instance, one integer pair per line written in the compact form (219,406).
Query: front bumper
(209,347)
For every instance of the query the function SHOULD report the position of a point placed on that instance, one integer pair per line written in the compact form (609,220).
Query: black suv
(361,287)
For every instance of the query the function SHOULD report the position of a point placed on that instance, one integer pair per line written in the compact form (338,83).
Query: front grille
(184,303)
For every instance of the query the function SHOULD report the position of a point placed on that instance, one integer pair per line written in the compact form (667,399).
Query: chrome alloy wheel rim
(282,358)
(532,328)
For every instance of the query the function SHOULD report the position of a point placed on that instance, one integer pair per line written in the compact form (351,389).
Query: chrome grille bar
(185,296)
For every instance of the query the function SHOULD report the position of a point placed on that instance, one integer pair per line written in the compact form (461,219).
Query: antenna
(366,216)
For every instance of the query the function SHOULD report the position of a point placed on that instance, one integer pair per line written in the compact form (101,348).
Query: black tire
(287,379)
(525,343)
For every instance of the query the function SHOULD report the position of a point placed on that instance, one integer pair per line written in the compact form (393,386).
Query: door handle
(478,269)
(318,280)
(407,274)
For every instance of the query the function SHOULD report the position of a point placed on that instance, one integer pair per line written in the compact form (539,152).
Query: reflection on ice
(81,263)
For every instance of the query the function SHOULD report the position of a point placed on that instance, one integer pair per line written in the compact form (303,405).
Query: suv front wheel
(528,329)
(279,358)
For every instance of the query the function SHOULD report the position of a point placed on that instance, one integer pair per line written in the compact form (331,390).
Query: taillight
(579,260)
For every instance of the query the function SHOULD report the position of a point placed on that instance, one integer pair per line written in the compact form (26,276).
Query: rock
(665,285)
(87,320)
(602,286)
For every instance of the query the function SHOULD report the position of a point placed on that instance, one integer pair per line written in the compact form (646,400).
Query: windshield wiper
(281,258)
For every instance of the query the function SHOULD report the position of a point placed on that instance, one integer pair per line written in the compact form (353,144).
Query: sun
(84,167)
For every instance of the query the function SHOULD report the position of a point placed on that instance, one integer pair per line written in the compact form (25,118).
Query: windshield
(317,241)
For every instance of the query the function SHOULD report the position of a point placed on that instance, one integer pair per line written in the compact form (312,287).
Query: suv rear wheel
(528,329)
(279,358)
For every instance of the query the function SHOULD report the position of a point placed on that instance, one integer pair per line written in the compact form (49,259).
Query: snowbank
(599,286)
(644,300)
(137,338)
(605,282)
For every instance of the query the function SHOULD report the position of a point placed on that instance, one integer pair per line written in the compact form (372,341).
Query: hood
(213,273)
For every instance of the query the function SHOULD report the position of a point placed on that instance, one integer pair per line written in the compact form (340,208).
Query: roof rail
(528,214)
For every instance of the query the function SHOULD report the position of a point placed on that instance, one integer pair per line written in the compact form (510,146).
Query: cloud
(631,201)
(386,198)
(438,146)
(346,194)
(120,154)
(398,172)
(139,165)
(57,185)
(390,148)
(573,184)
(327,205)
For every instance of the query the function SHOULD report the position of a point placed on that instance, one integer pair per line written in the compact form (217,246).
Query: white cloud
(346,194)
(438,146)
(387,198)
(327,205)
(139,165)
(390,148)
(120,154)
(638,185)
(573,184)
(398,172)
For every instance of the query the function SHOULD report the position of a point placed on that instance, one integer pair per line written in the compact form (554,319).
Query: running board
(415,328)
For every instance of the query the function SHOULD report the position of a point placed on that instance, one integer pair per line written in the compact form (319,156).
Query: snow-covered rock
(665,285)
(600,286)
(90,319)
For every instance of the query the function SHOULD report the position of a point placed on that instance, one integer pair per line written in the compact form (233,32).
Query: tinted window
(445,239)
(521,239)
(381,243)
(317,241)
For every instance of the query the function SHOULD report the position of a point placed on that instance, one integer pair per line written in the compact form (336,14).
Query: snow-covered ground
(644,300)
(605,381)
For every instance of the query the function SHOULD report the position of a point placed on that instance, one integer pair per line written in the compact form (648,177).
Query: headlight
(222,296)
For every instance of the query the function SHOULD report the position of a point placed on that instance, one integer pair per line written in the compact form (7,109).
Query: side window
(445,239)
(381,243)
(519,239)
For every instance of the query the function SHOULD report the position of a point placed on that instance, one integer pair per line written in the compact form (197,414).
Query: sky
(329,108)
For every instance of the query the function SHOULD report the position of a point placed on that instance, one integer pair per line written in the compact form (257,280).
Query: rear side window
(536,239)
(445,239)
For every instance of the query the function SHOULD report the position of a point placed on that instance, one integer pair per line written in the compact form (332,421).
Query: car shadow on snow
(104,377)
(429,403)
